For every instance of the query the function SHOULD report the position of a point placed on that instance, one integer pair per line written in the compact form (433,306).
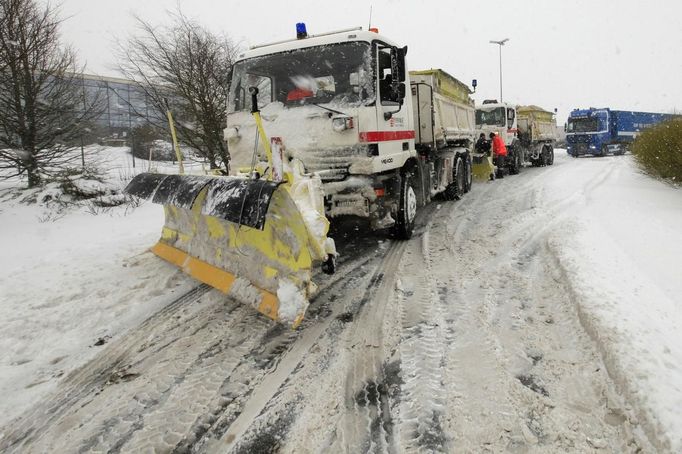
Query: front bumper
(582,148)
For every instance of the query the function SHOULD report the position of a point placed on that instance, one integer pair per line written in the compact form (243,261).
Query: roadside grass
(659,150)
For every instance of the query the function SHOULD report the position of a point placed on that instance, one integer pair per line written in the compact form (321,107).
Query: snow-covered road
(539,314)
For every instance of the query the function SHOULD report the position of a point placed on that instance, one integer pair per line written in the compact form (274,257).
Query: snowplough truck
(529,132)
(318,128)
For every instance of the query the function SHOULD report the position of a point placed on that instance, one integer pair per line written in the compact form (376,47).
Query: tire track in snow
(421,353)
(199,362)
(509,363)
(250,427)
(366,422)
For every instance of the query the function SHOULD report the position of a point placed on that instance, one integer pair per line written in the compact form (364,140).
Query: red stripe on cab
(385,136)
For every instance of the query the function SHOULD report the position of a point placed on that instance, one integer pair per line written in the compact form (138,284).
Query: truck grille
(578,139)
(580,147)
(332,164)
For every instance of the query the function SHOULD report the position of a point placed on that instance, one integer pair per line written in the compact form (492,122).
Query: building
(123,104)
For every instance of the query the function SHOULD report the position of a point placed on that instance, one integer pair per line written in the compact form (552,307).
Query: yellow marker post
(178,153)
(263,137)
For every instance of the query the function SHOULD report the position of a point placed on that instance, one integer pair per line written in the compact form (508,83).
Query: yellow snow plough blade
(483,167)
(245,237)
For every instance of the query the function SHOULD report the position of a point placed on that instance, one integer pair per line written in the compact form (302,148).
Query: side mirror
(400,54)
(254,99)
(398,64)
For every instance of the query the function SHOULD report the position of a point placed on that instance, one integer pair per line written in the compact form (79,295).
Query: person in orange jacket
(499,153)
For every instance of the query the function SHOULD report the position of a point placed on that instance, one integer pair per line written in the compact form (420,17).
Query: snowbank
(619,247)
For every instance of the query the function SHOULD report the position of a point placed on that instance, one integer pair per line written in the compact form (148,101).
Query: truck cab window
(385,77)
(336,74)
(492,117)
(510,118)
(239,95)
(583,125)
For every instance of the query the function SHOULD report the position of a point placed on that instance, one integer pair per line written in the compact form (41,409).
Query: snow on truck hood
(306,131)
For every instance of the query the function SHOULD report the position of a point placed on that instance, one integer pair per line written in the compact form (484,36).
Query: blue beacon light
(301,31)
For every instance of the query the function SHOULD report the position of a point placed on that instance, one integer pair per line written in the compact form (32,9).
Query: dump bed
(443,111)
(536,123)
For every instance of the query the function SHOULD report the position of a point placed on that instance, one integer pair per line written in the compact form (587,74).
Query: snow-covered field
(71,279)
(489,330)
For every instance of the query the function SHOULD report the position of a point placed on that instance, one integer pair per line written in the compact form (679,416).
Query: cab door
(394,134)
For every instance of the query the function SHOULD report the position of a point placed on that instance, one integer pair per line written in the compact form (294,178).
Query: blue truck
(601,131)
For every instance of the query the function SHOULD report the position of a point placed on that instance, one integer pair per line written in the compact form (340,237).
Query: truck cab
(336,101)
(493,116)
(588,132)
(330,98)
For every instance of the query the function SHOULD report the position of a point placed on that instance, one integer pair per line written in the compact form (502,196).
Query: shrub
(142,136)
(659,150)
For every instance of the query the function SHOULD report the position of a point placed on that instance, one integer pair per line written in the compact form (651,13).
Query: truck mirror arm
(388,115)
(400,91)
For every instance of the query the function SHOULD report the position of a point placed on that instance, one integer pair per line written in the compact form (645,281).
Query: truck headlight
(592,147)
(342,123)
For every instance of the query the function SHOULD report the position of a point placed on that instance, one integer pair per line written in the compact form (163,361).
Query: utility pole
(500,43)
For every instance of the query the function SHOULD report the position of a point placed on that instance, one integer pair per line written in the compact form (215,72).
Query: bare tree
(189,66)
(42,105)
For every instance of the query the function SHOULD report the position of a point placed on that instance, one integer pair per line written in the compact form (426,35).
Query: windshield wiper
(327,108)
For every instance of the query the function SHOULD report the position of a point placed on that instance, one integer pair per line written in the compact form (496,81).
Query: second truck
(529,132)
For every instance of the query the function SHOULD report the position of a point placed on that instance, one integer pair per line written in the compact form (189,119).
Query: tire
(455,189)
(469,176)
(543,157)
(407,208)
(329,265)
(550,156)
(515,167)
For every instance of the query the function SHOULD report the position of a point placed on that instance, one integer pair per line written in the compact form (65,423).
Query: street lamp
(500,43)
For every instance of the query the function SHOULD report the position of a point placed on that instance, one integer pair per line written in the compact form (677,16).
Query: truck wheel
(550,156)
(407,210)
(543,157)
(461,177)
(455,189)
(468,165)
(515,167)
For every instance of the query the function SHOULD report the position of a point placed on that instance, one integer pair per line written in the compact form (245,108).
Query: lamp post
(500,43)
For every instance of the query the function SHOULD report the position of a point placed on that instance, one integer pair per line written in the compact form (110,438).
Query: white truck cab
(338,103)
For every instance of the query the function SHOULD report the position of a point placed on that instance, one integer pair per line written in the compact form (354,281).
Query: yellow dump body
(538,123)
(442,109)
(445,84)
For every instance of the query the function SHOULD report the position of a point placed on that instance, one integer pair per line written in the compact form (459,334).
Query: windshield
(583,125)
(494,117)
(338,74)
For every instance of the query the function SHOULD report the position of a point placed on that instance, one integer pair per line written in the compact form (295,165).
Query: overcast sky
(624,54)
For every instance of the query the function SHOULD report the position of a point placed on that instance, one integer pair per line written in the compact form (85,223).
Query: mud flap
(244,237)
